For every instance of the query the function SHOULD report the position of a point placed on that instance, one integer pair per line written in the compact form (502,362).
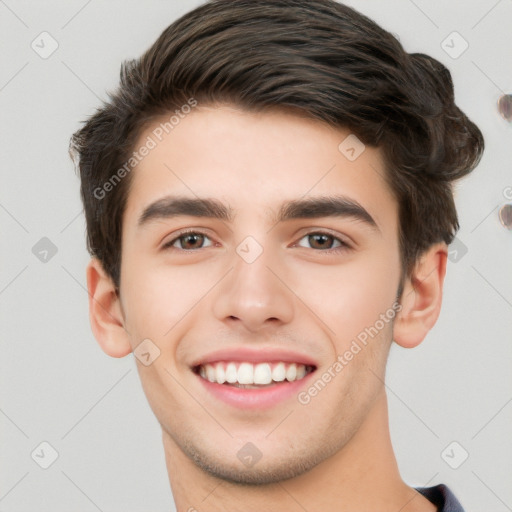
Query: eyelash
(341,248)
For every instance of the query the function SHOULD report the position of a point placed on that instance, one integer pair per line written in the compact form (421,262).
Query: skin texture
(334,453)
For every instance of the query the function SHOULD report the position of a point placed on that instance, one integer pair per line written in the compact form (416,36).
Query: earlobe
(421,298)
(105,313)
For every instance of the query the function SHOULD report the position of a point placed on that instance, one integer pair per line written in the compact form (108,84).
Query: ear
(421,298)
(105,313)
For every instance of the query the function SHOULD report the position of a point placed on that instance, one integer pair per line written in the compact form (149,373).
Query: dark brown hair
(318,58)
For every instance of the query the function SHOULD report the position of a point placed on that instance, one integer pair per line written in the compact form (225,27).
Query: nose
(254,295)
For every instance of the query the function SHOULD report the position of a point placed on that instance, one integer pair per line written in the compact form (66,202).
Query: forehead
(255,161)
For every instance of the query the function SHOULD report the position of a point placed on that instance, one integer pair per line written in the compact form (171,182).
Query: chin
(263,471)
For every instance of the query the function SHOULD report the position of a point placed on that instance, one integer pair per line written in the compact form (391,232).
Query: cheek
(348,298)
(168,397)
(344,392)
(158,297)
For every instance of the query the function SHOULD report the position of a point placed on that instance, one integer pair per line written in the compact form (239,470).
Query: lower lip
(245,398)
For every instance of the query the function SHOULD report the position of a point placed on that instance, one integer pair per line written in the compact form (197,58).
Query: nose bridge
(251,293)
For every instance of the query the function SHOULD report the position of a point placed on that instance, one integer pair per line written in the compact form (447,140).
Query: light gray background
(56,385)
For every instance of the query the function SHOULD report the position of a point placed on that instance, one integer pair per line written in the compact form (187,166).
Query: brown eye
(188,241)
(323,241)
(191,241)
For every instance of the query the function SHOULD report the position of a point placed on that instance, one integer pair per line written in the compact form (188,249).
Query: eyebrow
(316,207)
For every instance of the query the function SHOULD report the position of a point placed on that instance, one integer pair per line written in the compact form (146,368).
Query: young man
(268,202)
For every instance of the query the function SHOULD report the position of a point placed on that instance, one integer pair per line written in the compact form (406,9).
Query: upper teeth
(248,373)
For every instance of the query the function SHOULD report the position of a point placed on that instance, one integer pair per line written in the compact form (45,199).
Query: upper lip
(253,355)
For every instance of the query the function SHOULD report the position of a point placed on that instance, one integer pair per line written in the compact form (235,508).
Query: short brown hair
(319,58)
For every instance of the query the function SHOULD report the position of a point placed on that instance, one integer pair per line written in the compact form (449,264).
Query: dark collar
(441,497)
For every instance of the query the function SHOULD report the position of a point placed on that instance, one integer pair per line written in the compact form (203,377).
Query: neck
(362,476)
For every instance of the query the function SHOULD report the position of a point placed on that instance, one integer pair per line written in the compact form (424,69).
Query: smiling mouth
(253,376)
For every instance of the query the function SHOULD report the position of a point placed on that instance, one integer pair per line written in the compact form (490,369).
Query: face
(257,257)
